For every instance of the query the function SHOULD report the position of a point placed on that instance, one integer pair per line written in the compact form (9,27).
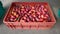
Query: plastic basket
(21,24)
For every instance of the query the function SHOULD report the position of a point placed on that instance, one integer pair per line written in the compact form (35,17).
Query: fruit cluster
(28,13)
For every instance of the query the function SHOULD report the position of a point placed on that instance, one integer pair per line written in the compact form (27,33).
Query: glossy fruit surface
(38,13)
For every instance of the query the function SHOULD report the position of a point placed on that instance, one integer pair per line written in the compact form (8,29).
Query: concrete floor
(55,30)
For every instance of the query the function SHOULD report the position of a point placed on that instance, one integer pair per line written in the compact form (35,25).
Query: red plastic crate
(29,15)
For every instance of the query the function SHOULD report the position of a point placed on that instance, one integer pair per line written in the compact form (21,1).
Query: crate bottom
(29,27)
